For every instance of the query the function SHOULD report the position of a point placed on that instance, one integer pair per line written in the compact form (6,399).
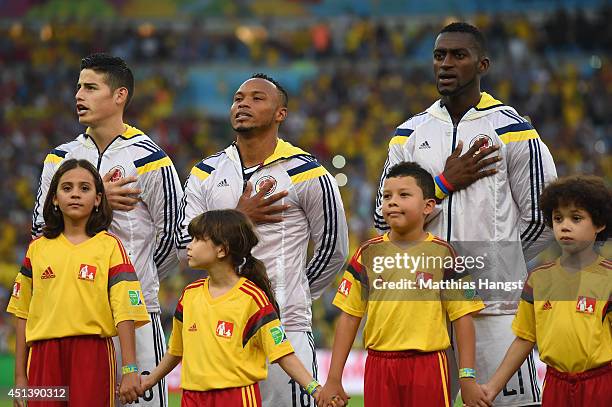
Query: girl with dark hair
(76,290)
(227,325)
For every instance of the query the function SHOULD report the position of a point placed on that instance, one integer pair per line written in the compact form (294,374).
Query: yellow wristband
(439,193)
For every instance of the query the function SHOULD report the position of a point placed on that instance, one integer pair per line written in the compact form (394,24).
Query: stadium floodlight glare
(341,179)
(339,161)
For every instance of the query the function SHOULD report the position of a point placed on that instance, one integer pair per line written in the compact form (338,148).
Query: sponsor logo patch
(422,277)
(278,334)
(345,287)
(224,329)
(135,297)
(87,272)
(585,305)
(16,289)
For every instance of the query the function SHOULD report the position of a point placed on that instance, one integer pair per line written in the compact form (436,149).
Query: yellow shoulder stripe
(199,173)
(523,135)
(53,159)
(398,140)
(310,174)
(155,165)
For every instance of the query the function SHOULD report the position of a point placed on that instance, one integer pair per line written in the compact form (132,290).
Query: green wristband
(467,373)
(131,368)
(310,389)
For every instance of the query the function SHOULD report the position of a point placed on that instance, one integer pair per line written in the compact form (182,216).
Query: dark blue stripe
(516,116)
(37,226)
(332,237)
(531,187)
(305,158)
(59,153)
(514,127)
(317,263)
(159,255)
(379,220)
(303,168)
(507,114)
(182,237)
(158,155)
(450,197)
(206,168)
(539,224)
(147,146)
(403,132)
(170,204)
(327,247)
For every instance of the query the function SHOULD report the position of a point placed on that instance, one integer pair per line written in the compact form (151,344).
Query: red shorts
(248,396)
(86,364)
(592,388)
(405,379)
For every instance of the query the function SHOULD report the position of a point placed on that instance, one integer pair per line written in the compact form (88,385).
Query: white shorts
(493,338)
(150,348)
(279,389)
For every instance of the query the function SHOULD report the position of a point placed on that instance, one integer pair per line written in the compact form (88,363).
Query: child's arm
(515,356)
(346,330)
(294,368)
(471,393)
(129,390)
(21,358)
(168,362)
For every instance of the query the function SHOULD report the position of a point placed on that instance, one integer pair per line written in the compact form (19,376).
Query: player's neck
(407,236)
(458,105)
(574,262)
(255,149)
(74,231)
(103,134)
(221,279)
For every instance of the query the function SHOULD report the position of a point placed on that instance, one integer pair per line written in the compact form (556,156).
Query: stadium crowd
(373,74)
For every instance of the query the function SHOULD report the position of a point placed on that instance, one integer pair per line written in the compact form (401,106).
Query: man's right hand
(120,197)
(463,171)
(259,208)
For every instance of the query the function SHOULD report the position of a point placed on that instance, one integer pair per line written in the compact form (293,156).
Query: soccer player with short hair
(486,204)
(144,216)
(76,289)
(565,305)
(405,333)
(247,175)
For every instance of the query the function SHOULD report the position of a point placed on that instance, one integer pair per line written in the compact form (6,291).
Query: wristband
(441,185)
(131,368)
(467,373)
(312,386)
(447,184)
(440,195)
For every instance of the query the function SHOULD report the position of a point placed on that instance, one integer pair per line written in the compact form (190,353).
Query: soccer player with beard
(246,176)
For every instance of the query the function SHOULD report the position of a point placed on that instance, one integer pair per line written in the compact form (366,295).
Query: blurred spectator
(372,74)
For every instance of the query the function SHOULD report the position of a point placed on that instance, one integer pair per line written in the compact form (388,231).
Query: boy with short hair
(565,305)
(405,333)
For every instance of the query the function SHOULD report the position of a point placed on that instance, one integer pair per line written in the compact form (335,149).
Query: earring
(96,209)
(55,208)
